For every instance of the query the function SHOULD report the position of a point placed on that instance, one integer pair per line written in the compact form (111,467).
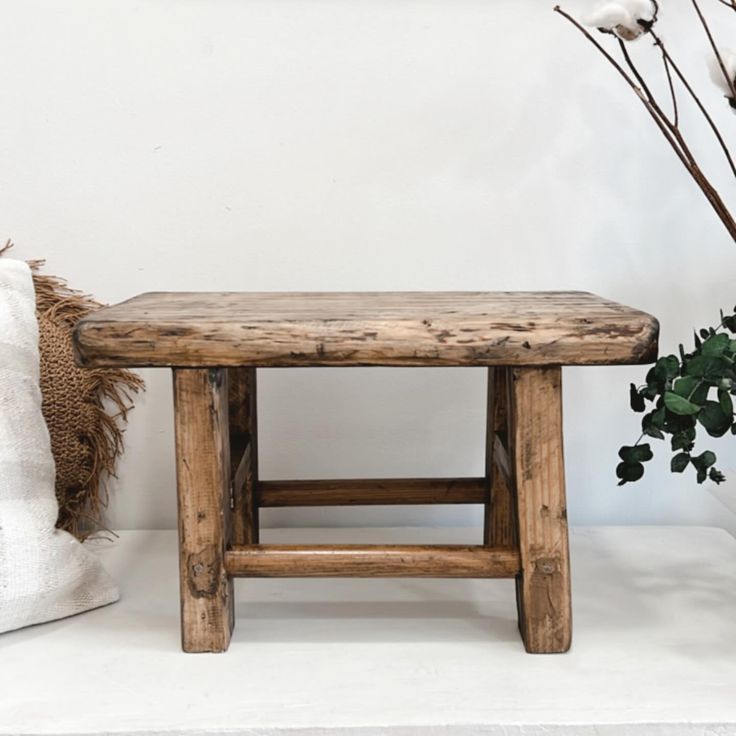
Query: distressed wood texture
(522,337)
(543,588)
(366,492)
(244,452)
(372,560)
(500,525)
(371,328)
(202,474)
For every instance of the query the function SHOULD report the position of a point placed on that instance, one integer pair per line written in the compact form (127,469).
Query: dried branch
(671,125)
(673,94)
(713,46)
(669,61)
(673,411)
(668,127)
(632,84)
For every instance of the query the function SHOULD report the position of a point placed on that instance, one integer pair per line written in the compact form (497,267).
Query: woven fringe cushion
(45,573)
(82,407)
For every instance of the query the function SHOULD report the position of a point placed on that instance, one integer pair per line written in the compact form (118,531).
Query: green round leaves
(630,468)
(679,405)
(681,395)
(629,472)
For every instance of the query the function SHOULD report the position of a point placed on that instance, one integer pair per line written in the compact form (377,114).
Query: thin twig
(691,163)
(637,75)
(671,133)
(706,28)
(659,115)
(673,95)
(669,61)
(630,81)
(665,120)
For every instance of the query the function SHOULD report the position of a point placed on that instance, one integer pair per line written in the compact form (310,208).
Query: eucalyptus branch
(698,388)
(696,391)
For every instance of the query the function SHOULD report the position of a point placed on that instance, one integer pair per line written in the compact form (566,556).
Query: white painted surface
(370,144)
(654,650)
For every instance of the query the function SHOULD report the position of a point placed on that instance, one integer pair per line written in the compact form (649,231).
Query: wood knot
(547,565)
(215,376)
(204,572)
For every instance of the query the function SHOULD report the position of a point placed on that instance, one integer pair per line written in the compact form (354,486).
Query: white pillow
(45,573)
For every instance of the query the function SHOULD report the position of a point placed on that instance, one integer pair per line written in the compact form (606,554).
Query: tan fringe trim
(82,503)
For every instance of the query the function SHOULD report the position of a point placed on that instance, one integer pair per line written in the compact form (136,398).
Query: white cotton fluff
(716,73)
(622,17)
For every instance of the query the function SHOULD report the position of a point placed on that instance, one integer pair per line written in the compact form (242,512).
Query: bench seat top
(366,328)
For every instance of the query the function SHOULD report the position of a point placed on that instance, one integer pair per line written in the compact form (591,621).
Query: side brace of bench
(525,528)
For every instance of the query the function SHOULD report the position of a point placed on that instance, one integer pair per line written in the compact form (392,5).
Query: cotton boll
(608,16)
(628,32)
(627,19)
(641,9)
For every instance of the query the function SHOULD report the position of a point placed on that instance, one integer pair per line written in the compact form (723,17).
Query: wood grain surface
(243,422)
(372,560)
(369,492)
(543,588)
(499,522)
(370,328)
(202,475)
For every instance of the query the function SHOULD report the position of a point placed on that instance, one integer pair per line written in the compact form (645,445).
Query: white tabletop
(654,649)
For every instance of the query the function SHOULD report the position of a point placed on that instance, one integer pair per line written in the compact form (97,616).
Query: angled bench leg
(203,477)
(543,588)
(244,454)
(499,524)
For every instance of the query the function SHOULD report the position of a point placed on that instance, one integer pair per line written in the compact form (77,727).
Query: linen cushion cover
(45,573)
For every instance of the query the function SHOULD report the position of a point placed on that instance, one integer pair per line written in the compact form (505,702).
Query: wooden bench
(215,341)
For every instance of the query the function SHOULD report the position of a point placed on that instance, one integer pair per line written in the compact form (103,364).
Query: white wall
(370,144)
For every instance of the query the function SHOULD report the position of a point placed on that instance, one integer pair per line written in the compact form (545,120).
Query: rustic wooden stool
(215,341)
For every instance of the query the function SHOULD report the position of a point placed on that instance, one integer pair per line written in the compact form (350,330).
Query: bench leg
(244,454)
(203,479)
(543,588)
(499,524)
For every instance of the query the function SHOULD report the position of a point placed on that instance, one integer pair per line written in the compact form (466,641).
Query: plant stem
(673,94)
(706,28)
(662,117)
(670,61)
(668,129)
(632,84)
